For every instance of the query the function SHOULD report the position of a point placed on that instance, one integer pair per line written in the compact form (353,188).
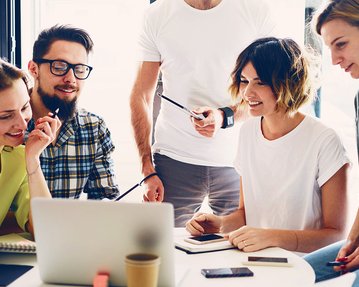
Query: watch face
(230,121)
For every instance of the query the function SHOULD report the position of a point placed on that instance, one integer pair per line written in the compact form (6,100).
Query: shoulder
(316,126)
(17,153)
(250,124)
(321,134)
(160,8)
(85,117)
(15,158)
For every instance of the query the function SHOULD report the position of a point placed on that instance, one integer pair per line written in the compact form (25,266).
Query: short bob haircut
(346,10)
(280,64)
(9,74)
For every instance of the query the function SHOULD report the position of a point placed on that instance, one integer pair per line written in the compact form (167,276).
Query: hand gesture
(350,254)
(209,126)
(154,190)
(250,239)
(43,134)
(204,223)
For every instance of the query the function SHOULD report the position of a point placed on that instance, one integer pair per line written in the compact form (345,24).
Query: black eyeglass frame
(69,66)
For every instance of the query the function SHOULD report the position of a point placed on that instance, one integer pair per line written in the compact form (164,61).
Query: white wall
(113,25)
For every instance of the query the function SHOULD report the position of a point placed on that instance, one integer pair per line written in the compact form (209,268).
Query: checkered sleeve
(102,183)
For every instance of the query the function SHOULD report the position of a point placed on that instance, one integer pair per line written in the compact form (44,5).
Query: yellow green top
(14,188)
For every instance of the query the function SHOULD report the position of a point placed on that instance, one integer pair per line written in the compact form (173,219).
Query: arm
(209,126)
(141,102)
(43,134)
(101,181)
(333,217)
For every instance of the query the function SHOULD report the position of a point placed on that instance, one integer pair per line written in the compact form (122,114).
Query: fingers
(194,226)
(54,123)
(154,190)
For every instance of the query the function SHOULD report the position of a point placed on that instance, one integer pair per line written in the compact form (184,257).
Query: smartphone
(267,261)
(336,263)
(227,272)
(204,239)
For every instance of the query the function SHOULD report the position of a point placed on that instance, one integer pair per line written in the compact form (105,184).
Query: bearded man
(79,159)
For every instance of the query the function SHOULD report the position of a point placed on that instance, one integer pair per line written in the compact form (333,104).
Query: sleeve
(148,50)
(332,156)
(102,182)
(22,204)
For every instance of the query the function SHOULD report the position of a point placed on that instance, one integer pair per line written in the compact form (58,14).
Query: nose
(70,76)
(248,91)
(336,59)
(21,121)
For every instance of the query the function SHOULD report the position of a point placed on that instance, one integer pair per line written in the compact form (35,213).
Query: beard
(67,108)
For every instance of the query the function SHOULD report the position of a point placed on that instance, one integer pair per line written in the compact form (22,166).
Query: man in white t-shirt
(195,45)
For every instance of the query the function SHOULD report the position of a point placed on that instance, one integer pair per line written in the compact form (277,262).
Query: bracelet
(32,173)
(296,240)
(147,177)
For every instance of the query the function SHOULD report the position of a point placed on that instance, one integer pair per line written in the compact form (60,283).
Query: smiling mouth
(16,135)
(66,90)
(348,68)
(254,103)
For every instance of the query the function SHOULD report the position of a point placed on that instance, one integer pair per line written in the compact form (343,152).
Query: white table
(301,274)
(189,266)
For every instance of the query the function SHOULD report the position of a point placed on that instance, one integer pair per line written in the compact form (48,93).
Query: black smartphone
(336,263)
(206,238)
(267,261)
(227,272)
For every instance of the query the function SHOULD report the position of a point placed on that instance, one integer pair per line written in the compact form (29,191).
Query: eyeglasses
(61,68)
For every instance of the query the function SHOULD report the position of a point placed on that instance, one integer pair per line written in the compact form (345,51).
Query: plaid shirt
(80,160)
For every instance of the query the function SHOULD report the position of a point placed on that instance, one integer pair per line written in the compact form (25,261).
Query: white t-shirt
(197,50)
(282,178)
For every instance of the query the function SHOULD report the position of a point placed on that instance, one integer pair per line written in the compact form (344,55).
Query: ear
(33,69)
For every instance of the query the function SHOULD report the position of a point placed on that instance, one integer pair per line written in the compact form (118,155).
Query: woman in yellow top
(21,176)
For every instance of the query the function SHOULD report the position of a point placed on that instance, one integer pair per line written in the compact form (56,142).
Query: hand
(250,239)
(43,134)
(209,126)
(154,190)
(204,223)
(348,253)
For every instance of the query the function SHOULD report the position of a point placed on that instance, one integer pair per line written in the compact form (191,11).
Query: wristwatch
(228,118)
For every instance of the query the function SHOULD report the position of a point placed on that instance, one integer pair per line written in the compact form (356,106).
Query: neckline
(200,11)
(282,138)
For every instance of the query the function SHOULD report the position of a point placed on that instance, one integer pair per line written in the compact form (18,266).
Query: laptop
(76,239)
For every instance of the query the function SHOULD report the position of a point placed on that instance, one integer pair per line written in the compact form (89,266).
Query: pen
(189,112)
(55,113)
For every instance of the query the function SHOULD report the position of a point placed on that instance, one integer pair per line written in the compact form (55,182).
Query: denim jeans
(319,258)
(186,185)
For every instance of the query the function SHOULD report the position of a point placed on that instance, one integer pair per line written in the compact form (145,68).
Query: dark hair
(280,64)
(346,10)
(9,74)
(60,32)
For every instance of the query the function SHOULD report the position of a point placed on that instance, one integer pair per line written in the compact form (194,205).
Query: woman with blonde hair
(21,177)
(338,23)
(292,167)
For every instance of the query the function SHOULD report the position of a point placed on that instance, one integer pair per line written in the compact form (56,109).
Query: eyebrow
(336,39)
(9,111)
(255,79)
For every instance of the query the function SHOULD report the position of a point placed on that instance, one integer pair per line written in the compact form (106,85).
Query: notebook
(76,239)
(14,243)
(191,248)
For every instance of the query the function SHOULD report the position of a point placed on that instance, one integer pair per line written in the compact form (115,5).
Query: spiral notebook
(14,243)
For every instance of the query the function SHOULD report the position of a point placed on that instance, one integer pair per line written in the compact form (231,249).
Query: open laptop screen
(76,239)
